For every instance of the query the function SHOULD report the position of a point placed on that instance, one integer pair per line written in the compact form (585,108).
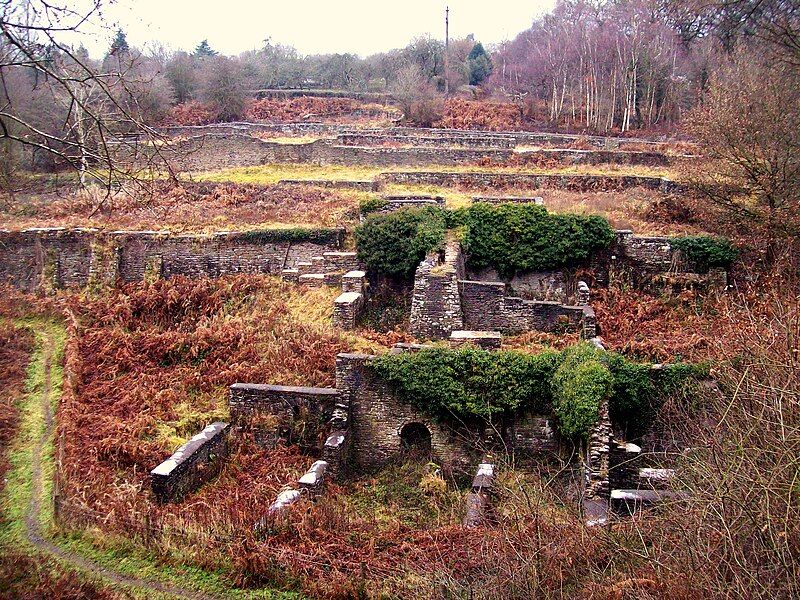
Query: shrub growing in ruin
(394,244)
(516,238)
(705,251)
(468,383)
(580,385)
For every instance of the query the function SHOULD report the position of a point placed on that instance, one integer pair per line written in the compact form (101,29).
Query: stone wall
(46,258)
(426,141)
(36,258)
(652,263)
(419,136)
(224,148)
(486,306)
(197,461)
(500,180)
(556,286)
(436,302)
(289,413)
(377,417)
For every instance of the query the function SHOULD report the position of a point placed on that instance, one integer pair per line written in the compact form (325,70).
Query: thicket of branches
(59,107)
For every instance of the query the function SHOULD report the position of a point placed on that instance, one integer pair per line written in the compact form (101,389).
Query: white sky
(312,26)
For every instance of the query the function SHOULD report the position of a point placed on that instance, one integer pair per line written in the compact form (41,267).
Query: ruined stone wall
(234,147)
(556,286)
(49,258)
(653,264)
(194,463)
(500,180)
(426,141)
(377,417)
(293,414)
(35,258)
(486,306)
(530,434)
(436,302)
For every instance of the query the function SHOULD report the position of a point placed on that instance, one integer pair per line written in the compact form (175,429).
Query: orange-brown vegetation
(488,116)
(299,109)
(150,366)
(193,112)
(190,206)
(15,348)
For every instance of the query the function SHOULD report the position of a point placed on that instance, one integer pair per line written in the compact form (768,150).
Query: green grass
(113,553)
(396,495)
(271,174)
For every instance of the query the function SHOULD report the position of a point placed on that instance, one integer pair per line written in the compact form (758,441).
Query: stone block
(313,480)
(346,309)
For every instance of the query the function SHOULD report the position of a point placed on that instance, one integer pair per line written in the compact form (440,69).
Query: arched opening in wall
(415,440)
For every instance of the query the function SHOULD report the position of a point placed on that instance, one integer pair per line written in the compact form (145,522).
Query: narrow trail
(32,517)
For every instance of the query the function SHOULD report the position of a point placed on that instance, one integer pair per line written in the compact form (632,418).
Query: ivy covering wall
(469,384)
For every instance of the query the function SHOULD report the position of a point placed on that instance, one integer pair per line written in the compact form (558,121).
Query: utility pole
(446,48)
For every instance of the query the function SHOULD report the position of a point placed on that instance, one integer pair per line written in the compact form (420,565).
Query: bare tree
(749,126)
(415,94)
(94,135)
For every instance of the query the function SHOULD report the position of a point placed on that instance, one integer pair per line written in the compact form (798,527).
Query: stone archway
(415,439)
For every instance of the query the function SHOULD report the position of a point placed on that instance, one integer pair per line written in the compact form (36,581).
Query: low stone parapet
(191,465)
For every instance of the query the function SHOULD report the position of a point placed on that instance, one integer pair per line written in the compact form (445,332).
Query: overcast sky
(312,26)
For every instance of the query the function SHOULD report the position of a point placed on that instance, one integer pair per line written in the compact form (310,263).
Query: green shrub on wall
(580,384)
(634,395)
(516,238)
(469,384)
(371,205)
(395,243)
(705,251)
(508,237)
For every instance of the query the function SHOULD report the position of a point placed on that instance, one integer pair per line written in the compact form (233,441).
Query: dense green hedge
(469,384)
(395,243)
(516,238)
(508,237)
(705,251)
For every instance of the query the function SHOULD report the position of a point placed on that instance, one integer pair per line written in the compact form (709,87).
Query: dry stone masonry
(197,461)
(57,257)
